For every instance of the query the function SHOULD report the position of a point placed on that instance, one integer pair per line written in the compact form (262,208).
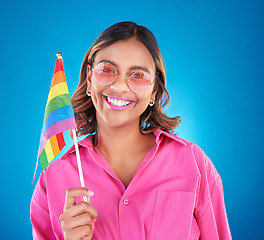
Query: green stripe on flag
(57,102)
(43,159)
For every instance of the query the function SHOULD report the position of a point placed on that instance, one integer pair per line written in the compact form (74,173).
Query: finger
(72,193)
(80,208)
(84,219)
(85,232)
(86,238)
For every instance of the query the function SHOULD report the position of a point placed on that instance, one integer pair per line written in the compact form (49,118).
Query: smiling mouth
(117,103)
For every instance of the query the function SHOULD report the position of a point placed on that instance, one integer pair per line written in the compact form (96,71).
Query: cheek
(145,97)
(143,101)
(96,91)
(97,88)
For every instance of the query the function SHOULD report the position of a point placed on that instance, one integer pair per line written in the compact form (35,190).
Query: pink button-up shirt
(176,193)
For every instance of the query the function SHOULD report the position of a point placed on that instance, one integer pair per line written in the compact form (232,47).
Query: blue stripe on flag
(56,116)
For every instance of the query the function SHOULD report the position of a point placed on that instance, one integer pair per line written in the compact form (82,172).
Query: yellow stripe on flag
(49,152)
(58,89)
(54,145)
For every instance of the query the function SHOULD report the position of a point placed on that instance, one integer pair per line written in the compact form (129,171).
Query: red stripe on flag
(58,66)
(54,129)
(60,140)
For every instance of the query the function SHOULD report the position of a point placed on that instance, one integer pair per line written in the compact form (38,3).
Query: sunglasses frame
(128,79)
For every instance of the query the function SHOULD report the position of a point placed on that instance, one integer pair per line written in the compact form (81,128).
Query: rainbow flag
(58,117)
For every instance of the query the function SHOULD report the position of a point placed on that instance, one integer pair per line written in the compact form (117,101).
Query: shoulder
(67,162)
(175,140)
(59,171)
(192,152)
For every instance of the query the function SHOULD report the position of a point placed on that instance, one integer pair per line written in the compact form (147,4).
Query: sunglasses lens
(105,73)
(139,82)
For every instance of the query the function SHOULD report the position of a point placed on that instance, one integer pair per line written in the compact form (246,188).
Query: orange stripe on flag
(58,77)
(54,145)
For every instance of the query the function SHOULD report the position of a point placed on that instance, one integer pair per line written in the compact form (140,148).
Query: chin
(118,121)
(115,123)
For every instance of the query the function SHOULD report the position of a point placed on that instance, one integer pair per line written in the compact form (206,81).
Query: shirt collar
(160,133)
(87,142)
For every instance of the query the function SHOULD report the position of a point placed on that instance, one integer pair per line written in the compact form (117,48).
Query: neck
(119,143)
(124,148)
(116,139)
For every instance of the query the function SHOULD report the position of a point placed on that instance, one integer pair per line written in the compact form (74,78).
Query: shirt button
(126,202)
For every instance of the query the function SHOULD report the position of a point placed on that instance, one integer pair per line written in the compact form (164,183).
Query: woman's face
(116,104)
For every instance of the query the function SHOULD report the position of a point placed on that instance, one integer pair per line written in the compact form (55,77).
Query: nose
(120,84)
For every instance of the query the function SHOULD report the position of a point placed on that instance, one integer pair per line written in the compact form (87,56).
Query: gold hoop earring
(151,103)
(88,93)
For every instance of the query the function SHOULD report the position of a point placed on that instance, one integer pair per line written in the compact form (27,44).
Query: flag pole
(78,158)
(79,162)
(59,55)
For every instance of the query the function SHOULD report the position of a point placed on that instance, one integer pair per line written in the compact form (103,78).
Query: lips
(118,103)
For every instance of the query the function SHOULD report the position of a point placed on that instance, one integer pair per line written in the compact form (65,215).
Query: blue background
(214,56)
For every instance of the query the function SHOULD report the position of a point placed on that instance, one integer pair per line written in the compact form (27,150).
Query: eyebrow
(140,68)
(108,61)
(135,67)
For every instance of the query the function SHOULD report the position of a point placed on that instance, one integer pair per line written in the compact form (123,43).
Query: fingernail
(90,193)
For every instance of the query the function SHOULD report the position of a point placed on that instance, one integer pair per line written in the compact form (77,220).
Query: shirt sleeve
(39,212)
(210,209)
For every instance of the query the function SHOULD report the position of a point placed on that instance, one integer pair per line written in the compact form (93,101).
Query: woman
(144,182)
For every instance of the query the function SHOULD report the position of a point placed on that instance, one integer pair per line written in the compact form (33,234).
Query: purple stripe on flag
(57,116)
(56,128)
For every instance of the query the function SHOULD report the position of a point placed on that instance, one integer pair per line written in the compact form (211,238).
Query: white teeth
(118,103)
